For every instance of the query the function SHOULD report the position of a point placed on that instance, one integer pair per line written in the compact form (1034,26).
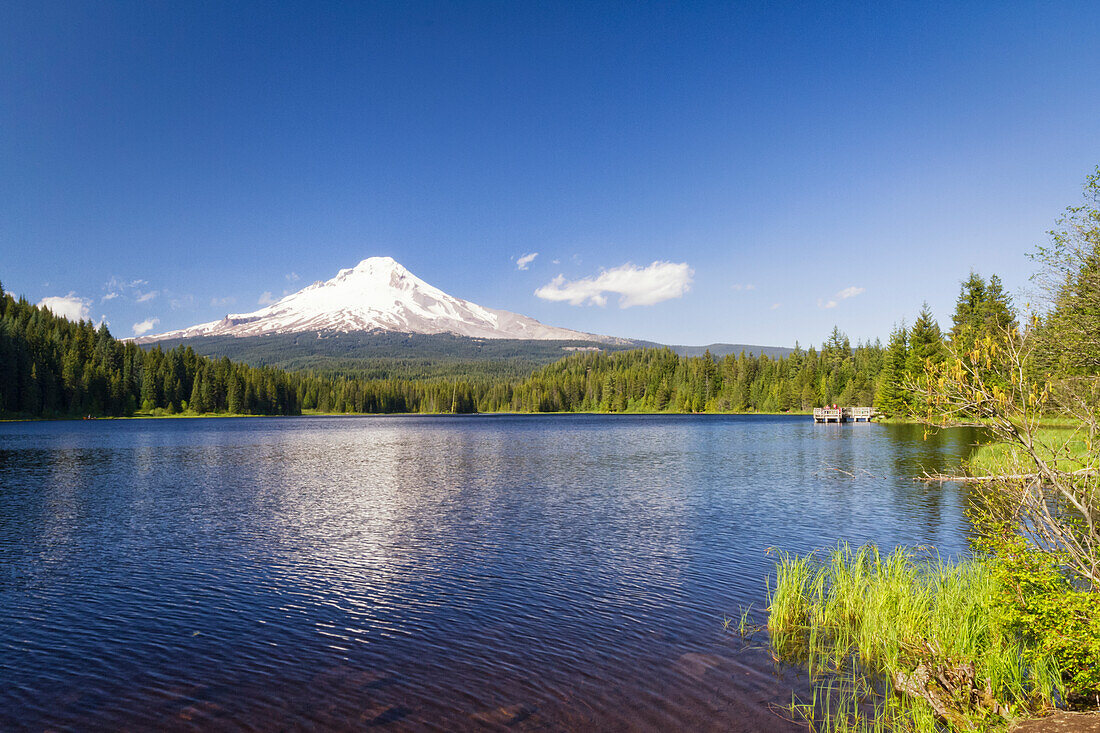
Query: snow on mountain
(378,294)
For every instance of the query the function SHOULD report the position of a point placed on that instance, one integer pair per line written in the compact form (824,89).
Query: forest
(52,367)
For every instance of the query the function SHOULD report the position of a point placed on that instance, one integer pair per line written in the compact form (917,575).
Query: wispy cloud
(68,306)
(743,286)
(844,294)
(143,327)
(524,261)
(775,306)
(116,287)
(634,285)
(266,298)
(292,277)
(182,301)
(222,302)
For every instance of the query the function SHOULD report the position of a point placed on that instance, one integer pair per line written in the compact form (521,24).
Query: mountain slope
(384,355)
(379,295)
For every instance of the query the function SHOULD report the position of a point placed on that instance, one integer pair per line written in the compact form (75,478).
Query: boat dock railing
(843,414)
(863,414)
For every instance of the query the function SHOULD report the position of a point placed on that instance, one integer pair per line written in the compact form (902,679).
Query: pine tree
(998,312)
(197,404)
(968,317)
(891,396)
(925,343)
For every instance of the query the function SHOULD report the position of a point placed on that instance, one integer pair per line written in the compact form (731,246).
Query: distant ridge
(719,350)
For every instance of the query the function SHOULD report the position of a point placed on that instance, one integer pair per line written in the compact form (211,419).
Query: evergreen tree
(969,307)
(891,396)
(982,309)
(197,403)
(998,312)
(925,343)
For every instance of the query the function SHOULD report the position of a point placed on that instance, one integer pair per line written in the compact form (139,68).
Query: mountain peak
(378,262)
(378,294)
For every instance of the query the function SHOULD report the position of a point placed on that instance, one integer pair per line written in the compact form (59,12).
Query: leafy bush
(1040,604)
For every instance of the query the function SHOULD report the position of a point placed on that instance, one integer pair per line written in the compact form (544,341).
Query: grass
(901,642)
(1067,442)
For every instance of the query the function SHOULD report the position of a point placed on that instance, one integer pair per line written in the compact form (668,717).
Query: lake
(563,572)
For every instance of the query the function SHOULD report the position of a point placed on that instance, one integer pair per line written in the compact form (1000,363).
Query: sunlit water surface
(521,572)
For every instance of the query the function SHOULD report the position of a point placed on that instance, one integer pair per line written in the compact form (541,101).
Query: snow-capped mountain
(378,294)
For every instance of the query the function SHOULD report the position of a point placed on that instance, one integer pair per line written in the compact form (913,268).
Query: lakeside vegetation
(904,642)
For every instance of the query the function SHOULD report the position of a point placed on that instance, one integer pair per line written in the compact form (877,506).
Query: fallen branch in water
(849,474)
(943,477)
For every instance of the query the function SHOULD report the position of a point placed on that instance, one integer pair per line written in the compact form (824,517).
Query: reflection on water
(544,572)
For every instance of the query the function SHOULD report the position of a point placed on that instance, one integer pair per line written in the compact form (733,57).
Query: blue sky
(166,163)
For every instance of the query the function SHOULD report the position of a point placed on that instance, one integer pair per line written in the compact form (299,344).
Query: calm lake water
(451,573)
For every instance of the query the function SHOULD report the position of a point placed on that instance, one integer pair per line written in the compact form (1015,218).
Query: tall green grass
(866,624)
(1066,445)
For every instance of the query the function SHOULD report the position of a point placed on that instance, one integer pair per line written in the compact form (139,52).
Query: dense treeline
(641,380)
(53,367)
(657,380)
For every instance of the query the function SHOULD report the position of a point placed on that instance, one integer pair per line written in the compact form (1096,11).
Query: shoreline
(182,416)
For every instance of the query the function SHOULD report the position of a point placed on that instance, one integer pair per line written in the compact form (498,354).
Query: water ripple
(533,573)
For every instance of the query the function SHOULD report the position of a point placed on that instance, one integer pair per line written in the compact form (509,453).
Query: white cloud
(266,298)
(146,297)
(144,327)
(746,286)
(68,306)
(183,301)
(524,261)
(849,292)
(844,294)
(292,277)
(775,306)
(109,296)
(222,302)
(634,285)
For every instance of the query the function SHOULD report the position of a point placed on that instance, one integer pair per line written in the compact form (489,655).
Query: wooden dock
(843,414)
